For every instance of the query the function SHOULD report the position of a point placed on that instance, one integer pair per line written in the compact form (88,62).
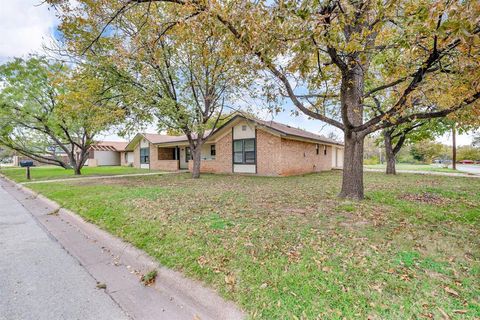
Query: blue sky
(26,25)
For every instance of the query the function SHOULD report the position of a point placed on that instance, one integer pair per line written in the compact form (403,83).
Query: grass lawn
(414,167)
(51,172)
(287,248)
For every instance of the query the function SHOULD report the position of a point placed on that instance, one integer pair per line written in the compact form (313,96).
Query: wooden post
(28,173)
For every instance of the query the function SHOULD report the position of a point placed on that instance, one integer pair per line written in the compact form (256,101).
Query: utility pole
(454,148)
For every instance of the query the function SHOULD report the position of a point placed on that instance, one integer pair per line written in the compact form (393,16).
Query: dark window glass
(318,149)
(144,155)
(238,146)
(325,150)
(188,155)
(212,150)
(244,151)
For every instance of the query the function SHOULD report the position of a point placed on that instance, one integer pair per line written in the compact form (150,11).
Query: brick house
(242,145)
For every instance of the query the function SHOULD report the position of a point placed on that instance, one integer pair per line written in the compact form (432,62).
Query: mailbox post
(27,164)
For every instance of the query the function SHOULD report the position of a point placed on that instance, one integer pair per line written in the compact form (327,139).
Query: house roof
(109,146)
(283,129)
(291,131)
(163,138)
(155,138)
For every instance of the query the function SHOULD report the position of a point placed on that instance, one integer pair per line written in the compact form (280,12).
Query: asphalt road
(470,168)
(38,278)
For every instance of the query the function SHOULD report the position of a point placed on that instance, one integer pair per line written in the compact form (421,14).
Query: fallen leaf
(230,279)
(101,286)
(445,316)
(460,311)
(451,291)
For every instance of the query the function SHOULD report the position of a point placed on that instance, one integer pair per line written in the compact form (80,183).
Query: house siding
(136,156)
(223,158)
(300,157)
(269,154)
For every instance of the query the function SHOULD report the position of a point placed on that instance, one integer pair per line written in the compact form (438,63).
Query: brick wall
(269,154)
(223,158)
(300,157)
(206,166)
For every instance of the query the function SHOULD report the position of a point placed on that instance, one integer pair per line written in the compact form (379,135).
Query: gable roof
(283,129)
(155,138)
(109,146)
(292,131)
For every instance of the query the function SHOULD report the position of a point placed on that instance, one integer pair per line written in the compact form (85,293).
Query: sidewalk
(40,280)
(434,173)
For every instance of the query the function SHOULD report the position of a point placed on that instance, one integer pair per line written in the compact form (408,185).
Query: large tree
(47,107)
(183,74)
(336,59)
(395,137)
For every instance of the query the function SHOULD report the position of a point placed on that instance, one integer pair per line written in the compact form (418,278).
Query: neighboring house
(242,145)
(106,153)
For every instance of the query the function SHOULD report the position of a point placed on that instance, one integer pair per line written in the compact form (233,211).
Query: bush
(371,161)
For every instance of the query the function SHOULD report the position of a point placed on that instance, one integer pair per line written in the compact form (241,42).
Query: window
(325,150)
(144,155)
(212,150)
(244,128)
(188,155)
(318,149)
(244,151)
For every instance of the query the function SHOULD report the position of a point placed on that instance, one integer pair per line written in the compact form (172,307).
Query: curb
(119,265)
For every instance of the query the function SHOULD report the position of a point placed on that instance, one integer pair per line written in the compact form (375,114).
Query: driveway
(38,278)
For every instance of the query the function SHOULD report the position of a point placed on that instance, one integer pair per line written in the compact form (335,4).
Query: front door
(184,154)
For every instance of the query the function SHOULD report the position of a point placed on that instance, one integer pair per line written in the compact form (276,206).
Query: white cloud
(25,25)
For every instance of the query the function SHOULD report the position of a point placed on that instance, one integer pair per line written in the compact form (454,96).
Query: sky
(27,24)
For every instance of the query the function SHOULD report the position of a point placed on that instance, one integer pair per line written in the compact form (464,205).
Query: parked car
(466,162)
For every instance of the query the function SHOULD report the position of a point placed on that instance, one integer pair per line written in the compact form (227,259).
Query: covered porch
(177,157)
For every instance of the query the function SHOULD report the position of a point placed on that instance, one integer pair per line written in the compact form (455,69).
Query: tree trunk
(77,170)
(454,148)
(352,114)
(389,153)
(352,182)
(197,158)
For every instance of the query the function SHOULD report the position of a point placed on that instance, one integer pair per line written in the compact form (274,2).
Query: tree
(427,150)
(394,138)
(476,141)
(468,153)
(183,77)
(46,106)
(335,60)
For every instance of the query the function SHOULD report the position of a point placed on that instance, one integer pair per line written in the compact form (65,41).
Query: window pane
(249,156)
(238,157)
(250,145)
(238,145)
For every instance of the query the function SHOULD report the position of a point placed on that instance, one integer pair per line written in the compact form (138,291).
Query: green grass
(294,250)
(50,172)
(414,167)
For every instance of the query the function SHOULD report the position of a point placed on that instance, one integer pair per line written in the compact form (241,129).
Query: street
(38,278)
